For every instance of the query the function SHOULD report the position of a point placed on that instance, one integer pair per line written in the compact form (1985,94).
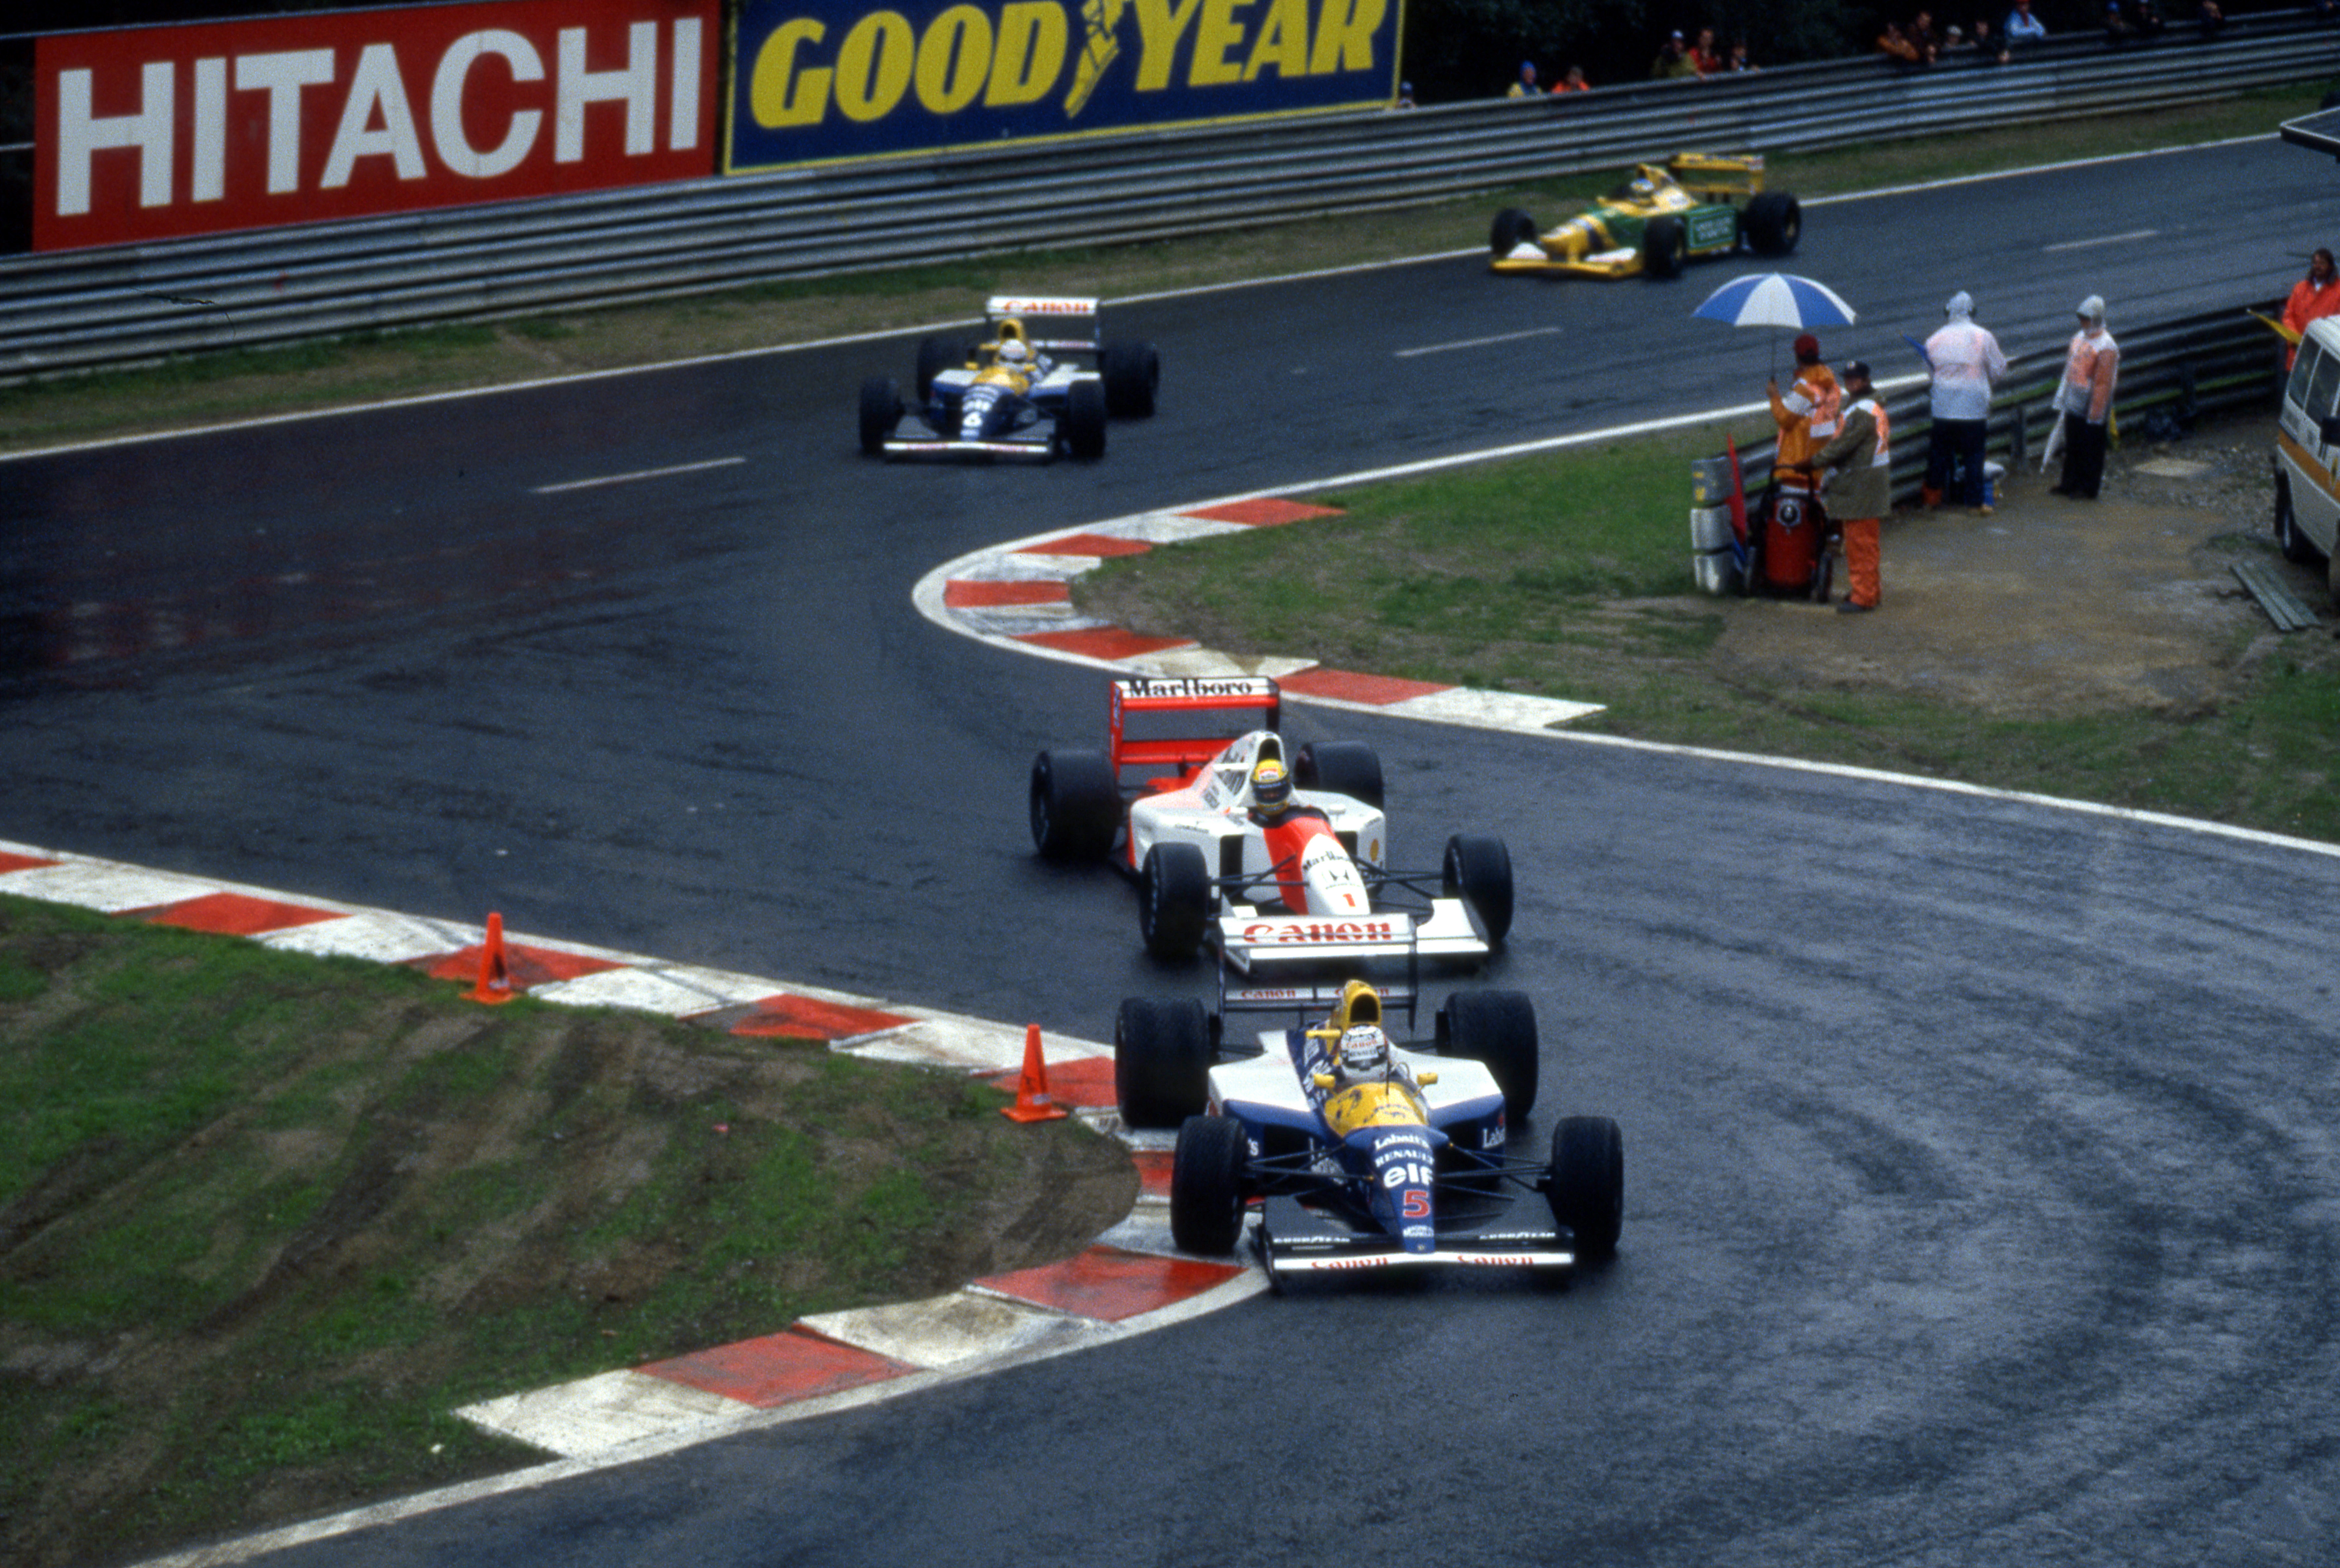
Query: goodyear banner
(818,80)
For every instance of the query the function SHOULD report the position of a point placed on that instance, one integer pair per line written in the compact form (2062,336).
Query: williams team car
(1286,850)
(1656,220)
(1362,1155)
(1041,383)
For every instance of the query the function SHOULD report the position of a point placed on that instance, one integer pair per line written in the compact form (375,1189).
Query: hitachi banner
(817,80)
(152,132)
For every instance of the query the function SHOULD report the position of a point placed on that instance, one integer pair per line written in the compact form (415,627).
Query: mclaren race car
(1656,220)
(1365,1155)
(1249,845)
(1040,384)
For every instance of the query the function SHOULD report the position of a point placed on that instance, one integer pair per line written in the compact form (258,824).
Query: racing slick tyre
(937,355)
(1175,901)
(1588,1182)
(1499,1029)
(1206,1185)
(1348,767)
(1511,228)
(1664,248)
(2287,537)
(1133,373)
(1084,420)
(1479,871)
(1775,221)
(1161,1061)
(1076,805)
(881,411)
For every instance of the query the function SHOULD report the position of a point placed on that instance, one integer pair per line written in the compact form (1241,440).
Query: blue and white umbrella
(1776,300)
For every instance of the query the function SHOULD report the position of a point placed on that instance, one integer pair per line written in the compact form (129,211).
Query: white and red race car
(1213,867)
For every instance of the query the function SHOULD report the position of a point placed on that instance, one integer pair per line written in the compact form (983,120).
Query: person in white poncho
(1966,363)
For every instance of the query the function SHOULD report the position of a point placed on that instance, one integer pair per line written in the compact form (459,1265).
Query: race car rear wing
(1718,175)
(1051,314)
(1252,699)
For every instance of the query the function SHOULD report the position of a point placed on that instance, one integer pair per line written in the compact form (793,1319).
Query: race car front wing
(1293,1238)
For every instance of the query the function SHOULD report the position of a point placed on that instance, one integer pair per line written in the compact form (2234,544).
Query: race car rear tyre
(1477,870)
(1348,767)
(1084,420)
(1206,1185)
(1499,1029)
(1160,1060)
(1775,221)
(1588,1182)
(1133,373)
(1076,805)
(1664,248)
(2287,537)
(1510,230)
(937,355)
(1175,901)
(881,411)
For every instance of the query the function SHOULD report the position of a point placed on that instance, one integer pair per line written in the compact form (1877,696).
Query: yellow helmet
(1271,785)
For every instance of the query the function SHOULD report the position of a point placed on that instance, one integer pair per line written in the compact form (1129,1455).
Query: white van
(2307,454)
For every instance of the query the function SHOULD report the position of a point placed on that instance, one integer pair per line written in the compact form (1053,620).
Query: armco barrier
(124,304)
(2195,365)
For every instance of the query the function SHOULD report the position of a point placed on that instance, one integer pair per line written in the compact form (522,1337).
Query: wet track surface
(1982,1194)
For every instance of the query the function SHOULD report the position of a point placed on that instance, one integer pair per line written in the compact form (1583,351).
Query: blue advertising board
(820,80)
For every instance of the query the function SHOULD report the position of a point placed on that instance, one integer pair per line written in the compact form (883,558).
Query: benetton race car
(1040,384)
(1656,220)
(1367,1155)
(1285,849)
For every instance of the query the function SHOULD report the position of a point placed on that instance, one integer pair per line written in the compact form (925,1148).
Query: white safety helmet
(1961,305)
(1013,352)
(1363,1049)
(2092,309)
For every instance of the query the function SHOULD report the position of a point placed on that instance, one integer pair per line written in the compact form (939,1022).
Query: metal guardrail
(125,304)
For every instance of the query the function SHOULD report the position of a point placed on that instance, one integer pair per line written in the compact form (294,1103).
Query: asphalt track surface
(1982,1185)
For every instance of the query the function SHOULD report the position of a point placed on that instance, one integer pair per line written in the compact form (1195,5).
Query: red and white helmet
(1363,1049)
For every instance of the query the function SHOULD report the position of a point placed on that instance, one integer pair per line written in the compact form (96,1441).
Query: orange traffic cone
(1033,1103)
(494,984)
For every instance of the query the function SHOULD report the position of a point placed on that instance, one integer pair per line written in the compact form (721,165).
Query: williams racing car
(1040,384)
(1365,1155)
(1656,220)
(1240,844)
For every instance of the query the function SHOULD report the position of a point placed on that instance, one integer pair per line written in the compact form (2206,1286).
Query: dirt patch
(2053,607)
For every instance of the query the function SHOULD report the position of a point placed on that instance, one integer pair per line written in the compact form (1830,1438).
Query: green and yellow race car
(1666,214)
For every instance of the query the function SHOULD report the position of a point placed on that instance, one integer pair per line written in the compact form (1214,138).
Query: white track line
(2101,240)
(640,474)
(1475,342)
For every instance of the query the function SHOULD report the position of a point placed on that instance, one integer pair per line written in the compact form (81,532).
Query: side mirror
(1322,1080)
(1425,1079)
(2330,429)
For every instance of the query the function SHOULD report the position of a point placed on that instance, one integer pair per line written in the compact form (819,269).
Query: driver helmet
(1271,786)
(1363,1049)
(1644,188)
(1013,352)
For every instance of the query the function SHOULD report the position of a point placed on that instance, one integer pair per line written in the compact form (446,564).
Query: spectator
(2209,19)
(1404,97)
(1898,52)
(1807,414)
(1573,82)
(2150,24)
(2084,400)
(2325,10)
(1860,458)
(2117,30)
(2317,294)
(1673,60)
(1994,49)
(1702,57)
(1966,362)
(1954,40)
(1922,38)
(2023,29)
(1525,87)
(1738,62)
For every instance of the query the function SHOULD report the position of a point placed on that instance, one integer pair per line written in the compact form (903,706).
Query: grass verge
(267,1220)
(241,383)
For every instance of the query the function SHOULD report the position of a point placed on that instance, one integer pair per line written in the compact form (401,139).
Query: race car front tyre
(1085,419)
(2288,538)
(1775,221)
(1664,248)
(1479,872)
(1510,230)
(1497,1029)
(1132,373)
(1160,1060)
(1175,900)
(1076,805)
(1206,1185)
(937,355)
(1588,1182)
(1348,767)
(881,411)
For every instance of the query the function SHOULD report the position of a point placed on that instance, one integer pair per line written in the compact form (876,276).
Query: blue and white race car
(1362,1155)
(1041,384)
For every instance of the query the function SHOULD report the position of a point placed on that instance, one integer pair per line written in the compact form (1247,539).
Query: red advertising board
(154,133)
